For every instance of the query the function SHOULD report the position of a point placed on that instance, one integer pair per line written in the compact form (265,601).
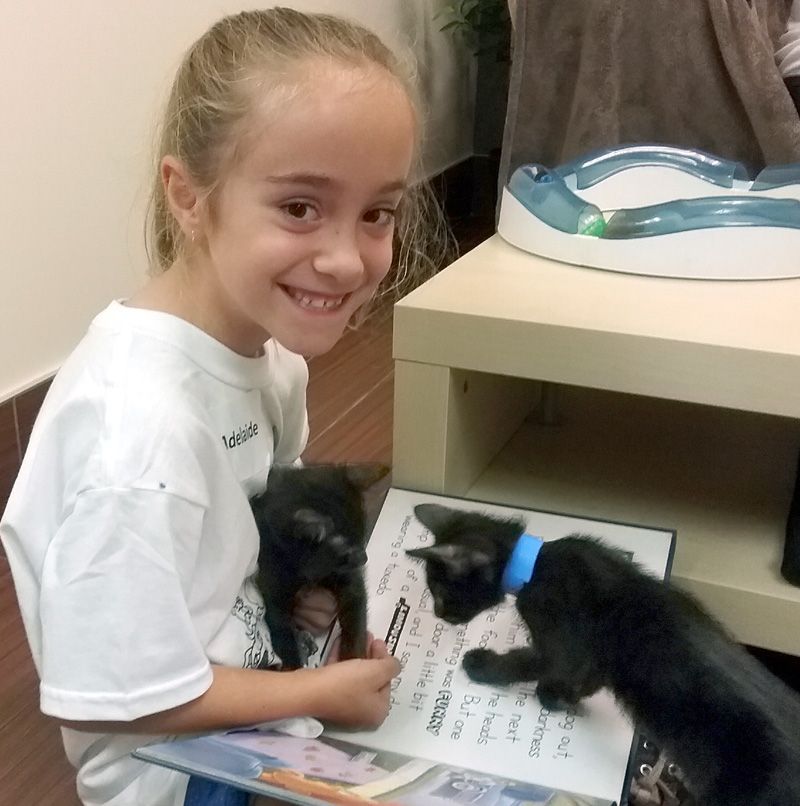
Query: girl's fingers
(377,648)
(314,610)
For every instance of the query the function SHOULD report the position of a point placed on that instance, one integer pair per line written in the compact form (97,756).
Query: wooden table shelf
(657,401)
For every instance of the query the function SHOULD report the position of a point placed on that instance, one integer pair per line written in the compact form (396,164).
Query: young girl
(283,178)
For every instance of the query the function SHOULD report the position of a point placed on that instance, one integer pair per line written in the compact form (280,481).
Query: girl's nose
(340,257)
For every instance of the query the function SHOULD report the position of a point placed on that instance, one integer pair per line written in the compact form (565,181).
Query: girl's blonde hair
(212,96)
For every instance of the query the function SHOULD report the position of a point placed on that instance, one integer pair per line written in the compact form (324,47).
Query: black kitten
(312,527)
(597,620)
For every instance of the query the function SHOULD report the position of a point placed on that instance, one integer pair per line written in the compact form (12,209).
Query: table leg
(450,423)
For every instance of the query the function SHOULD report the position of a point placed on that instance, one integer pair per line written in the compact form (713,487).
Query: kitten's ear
(365,474)
(312,526)
(457,559)
(434,517)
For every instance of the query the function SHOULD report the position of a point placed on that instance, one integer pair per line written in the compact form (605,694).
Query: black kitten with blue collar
(312,527)
(598,620)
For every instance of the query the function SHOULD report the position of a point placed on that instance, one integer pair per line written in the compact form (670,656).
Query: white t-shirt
(129,533)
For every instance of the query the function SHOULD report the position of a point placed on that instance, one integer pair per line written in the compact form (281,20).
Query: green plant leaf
(483,25)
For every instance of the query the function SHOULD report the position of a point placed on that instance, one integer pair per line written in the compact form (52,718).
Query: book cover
(324,769)
(471,742)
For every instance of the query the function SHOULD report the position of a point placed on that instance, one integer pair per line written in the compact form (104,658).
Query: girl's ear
(181,195)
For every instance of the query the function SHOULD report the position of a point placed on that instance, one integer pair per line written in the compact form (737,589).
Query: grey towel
(590,74)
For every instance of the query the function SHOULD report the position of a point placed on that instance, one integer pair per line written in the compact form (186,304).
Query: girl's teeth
(319,304)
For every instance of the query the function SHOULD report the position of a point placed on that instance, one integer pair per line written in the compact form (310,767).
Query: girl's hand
(356,692)
(314,610)
(351,693)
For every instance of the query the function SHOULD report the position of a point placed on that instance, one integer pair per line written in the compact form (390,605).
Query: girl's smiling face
(299,233)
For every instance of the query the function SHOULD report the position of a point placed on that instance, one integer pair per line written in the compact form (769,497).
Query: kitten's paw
(479,664)
(555,698)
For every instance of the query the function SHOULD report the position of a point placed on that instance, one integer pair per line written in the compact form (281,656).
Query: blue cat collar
(519,569)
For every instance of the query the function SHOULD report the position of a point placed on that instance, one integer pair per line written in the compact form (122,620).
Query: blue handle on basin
(599,165)
(775,176)
(543,193)
(694,214)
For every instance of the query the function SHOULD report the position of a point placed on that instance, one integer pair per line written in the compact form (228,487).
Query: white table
(663,402)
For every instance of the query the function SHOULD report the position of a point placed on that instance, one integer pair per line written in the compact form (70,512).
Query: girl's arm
(352,693)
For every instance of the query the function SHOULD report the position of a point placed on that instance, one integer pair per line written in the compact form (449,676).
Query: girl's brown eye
(379,216)
(297,210)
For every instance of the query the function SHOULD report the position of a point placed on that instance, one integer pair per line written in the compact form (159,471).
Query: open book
(446,739)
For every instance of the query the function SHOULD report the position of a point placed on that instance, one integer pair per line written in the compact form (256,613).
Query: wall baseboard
(17,416)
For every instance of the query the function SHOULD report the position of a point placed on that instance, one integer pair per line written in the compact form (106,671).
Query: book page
(438,714)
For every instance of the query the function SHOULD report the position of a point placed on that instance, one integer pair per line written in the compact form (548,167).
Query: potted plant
(485,27)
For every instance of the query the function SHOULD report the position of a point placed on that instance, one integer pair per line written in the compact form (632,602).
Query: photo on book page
(327,770)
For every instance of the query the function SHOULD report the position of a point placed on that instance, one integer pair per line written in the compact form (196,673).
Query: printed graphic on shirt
(245,435)
(250,611)
(239,435)
(249,449)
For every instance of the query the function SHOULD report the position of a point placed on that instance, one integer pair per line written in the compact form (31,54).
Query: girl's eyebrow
(299,179)
(323,180)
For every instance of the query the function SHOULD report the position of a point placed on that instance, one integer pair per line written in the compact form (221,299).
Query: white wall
(81,87)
